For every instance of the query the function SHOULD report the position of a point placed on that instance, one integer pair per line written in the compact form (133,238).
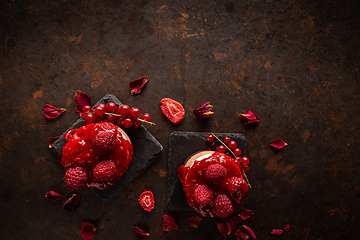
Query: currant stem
(242,170)
(142,120)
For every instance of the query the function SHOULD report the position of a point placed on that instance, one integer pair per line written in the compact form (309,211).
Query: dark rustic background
(295,63)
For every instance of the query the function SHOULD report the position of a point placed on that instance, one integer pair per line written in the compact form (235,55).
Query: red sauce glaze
(195,177)
(79,152)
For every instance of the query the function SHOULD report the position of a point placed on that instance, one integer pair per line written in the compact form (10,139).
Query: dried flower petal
(286,227)
(72,203)
(54,196)
(245,214)
(249,117)
(51,112)
(194,221)
(244,233)
(137,85)
(229,223)
(204,110)
(278,143)
(140,233)
(277,232)
(81,99)
(87,230)
(222,228)
(52,140)
(169,223)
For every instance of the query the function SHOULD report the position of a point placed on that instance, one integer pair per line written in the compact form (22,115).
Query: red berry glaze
(68,135)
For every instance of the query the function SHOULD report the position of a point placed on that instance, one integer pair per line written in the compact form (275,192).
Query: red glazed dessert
(96,156)
(213,184)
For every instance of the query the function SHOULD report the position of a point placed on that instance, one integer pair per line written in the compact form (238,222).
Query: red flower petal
(277,232)
(245,214)
(54,196)
(287,227)
(204,110)
(229,223)
(87,230)
(244,233)
(222,228)
(249,117)
(278,143)
(81,99)
(72,203)
(137,85)
(194,221)
(140,233)
(169,223)
(52,140)
(51,112)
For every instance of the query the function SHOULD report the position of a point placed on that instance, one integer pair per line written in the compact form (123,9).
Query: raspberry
(75,178)
(104,142)
(215,174)
(104,171)
(237,189)
(203,195)
(222,206)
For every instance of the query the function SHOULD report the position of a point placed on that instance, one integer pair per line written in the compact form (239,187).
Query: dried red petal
(137,85)
(245,214)
(204,110)
(52,140)
(222,228)
(140,233)
(169,223)
(194,221)
(244,233)
(277,232)
(51,112)
(278,143)
(181,172)
(72,203)
(146,200)
(286,227)
(249,117)
(87,230)
(54,196)
(81,99)
(229,223)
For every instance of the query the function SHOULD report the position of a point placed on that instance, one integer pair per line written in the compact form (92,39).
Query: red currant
(245,160)
(119,121)
(221,149)
(128,122)
(210,138)
(89,118)
(146,117)
(237,152)
(100,118)
(99,110)
(124,110)
(86,108)
(232,145)
(137,123)
(135,112)
(226,140)
(111,118)
(245,167)
(111,107)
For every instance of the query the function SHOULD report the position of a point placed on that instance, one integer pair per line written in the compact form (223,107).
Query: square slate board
(181,146)
(146,149)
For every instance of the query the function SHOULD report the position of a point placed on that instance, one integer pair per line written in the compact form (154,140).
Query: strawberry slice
(173,110)
(146,200)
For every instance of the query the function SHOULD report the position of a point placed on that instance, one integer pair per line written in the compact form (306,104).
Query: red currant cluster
(123,116)
(232,145)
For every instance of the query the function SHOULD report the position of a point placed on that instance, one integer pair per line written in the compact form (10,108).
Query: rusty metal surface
(295,63)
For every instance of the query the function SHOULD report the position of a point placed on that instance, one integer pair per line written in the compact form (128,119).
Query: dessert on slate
(213,183)
(96,155)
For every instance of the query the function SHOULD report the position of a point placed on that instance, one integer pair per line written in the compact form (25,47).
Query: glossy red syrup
(196,176)
(79,152)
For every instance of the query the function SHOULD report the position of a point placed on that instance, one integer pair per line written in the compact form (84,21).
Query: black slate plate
(181,146)
(146,149)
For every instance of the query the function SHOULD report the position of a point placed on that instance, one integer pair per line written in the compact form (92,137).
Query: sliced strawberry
(146,200)
(173,110)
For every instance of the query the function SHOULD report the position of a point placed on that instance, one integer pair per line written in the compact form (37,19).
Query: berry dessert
(213,183)
(96,156)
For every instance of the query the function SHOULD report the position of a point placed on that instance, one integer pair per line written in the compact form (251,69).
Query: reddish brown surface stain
(8,141)
(92,68)
(305,135)
(161,172)
(38,94)
(277,166)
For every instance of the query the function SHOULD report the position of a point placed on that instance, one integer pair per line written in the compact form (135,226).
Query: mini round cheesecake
(213,184)
(96,156)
